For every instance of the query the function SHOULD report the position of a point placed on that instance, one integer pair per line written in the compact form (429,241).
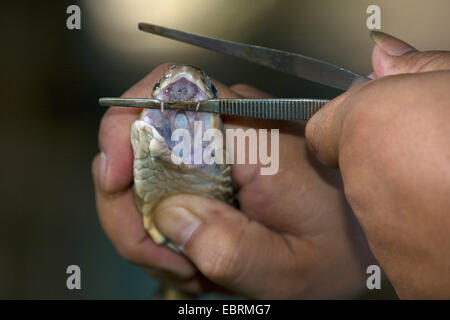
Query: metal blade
(291,63)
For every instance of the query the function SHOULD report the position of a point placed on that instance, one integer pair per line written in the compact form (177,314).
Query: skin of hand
(390,139)
(294,236)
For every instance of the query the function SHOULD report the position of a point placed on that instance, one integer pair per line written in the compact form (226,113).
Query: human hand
(295,236)
(390,139)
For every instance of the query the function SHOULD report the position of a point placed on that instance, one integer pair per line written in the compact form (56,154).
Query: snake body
(156,176)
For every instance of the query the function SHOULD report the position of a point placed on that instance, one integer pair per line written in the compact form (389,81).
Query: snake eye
(214,90)
(156,86)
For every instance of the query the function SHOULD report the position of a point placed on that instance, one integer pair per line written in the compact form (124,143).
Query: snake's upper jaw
(181,90)
(184,83)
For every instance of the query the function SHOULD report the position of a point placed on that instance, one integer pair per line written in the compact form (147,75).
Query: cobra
(156,176)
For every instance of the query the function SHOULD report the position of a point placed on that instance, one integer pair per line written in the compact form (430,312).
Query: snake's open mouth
(182,90)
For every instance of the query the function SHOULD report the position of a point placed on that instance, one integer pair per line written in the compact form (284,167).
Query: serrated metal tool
(279,109)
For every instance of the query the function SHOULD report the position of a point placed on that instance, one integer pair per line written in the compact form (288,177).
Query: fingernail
(390,44)
(176,223)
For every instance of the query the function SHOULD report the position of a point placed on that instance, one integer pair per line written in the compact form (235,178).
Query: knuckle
(368,109)
(430,61)
(220,267)
(374,132)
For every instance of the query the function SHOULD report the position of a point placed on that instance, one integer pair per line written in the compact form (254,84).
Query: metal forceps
(287,62)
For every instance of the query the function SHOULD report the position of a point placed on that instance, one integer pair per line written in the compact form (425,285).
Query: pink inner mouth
(182,90)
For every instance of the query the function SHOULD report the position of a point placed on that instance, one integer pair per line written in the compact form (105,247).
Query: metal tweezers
(286,62)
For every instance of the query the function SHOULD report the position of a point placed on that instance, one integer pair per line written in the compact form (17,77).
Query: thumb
(393,56)
(222,242)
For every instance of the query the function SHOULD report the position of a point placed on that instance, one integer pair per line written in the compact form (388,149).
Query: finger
(123,225)
(114,137)
(393,56)
(355,111)
(247,91)
(224,244)
(323,130)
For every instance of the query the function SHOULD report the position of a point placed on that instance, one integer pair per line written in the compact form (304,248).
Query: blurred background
(51,78)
